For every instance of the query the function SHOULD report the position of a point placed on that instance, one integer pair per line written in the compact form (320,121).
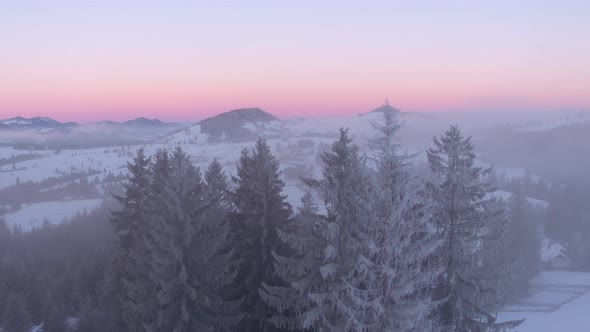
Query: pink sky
(86,61)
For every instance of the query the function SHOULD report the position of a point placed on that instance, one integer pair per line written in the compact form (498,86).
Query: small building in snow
(554,257)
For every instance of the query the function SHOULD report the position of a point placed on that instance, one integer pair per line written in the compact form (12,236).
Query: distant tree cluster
(567,220)
(74,185)
(372,247)
(12,160)
(55,274)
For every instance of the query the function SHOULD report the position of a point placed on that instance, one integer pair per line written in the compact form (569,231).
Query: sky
(83,60)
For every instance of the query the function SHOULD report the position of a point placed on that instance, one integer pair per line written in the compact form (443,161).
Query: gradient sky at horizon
(84,60)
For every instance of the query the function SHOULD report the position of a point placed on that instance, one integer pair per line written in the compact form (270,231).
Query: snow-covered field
(559,301)
(33,215)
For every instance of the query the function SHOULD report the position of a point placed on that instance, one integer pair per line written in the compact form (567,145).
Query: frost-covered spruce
(133,297)
(261,209)
(472,228)
(405,238)
(218,188)
(177,197)
(299,269)
(346,298)
(184,248)
(214,246)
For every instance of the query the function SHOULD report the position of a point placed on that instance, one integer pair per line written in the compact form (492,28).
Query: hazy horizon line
(305,114)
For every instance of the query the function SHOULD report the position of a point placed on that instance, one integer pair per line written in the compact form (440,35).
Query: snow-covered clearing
(506,195)
(559,301)
(33,215)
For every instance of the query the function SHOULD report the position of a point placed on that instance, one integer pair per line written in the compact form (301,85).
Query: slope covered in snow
(559,301)
(33,215)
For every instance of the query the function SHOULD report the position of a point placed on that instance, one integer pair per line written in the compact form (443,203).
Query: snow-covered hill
(148,123)
(241,125)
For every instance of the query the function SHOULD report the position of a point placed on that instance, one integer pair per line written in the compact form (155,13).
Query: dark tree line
(566,218)
(53,273)
(74,185)
(193,250)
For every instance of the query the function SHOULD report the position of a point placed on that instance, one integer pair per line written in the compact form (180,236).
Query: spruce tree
(214,255)
(179,199)
(496,268)
(218,188)
(261,210)
(299,269)
(132,291)
(346,298)
(188,232)
(405,238)
(472,228)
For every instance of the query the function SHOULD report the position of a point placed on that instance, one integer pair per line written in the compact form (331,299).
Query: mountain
(241,116)
(148,123)
(20,123)
(105,123)
(138,123)
(49,132)
(236,125)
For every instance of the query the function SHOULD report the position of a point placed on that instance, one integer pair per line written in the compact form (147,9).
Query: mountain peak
(231,124)
(143,122)
(243,115)
(37,122)
(45,119)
